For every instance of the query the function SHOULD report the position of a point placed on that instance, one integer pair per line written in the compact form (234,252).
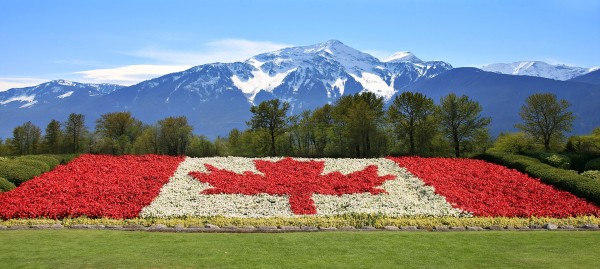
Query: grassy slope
(110,249)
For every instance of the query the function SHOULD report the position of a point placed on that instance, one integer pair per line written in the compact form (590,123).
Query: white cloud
(19,82)
(169,61)
(225,50)
(130,74)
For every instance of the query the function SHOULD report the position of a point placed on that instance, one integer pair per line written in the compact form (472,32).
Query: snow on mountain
(537,69)
(403,56)
(217,97)
(57,89)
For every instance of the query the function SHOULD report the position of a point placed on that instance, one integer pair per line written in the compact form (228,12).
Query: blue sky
(128,41)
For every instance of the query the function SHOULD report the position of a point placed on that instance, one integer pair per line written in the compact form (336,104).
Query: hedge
(18,173)
(563,179)
(593,165)
(49,160)
(556,160)
(33,163)
(6,185)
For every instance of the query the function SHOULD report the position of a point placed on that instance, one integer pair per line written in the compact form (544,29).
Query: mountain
(51,100)
(217,97)
(537,69)
(502,96)
(590,78)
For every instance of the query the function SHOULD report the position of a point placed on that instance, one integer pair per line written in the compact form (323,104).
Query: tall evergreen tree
(53,137)
(75,132)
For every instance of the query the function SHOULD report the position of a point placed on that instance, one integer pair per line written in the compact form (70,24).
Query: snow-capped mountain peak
(537,69)
(403,56)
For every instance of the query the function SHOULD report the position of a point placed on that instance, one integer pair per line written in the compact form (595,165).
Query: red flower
(492,190)
(93,186)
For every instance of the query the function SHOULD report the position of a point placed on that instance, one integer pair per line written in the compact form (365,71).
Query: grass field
(117,249)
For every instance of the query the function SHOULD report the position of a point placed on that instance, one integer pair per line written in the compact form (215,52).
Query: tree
(118,131)
(75,132)
(53,137)
(148,141)
(358,120)
(270,116)
(460,119)
(545,118)
(412,116)
(26,138)
(513,142)
(323,120)
(174,134)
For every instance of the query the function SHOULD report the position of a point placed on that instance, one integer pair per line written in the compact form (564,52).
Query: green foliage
(6,185)
(593,174)
(593,165)
(42,166)
(513,143)
(18,173)
(556,160)
(412,115)
(460,119)
(545,118)
(117,132)
(75,133)
(26,139)
(174,134)
(270,116)
(53,137)
(47,159)
(563,179)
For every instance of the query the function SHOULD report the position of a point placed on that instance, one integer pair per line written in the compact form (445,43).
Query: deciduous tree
(545,118)
(460,119)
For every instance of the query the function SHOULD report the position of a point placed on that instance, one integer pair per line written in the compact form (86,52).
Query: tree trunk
(273,144)
(456,145)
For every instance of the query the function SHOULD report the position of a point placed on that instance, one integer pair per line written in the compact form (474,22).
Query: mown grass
(117,249)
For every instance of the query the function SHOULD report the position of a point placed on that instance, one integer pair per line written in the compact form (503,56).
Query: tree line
(358,126)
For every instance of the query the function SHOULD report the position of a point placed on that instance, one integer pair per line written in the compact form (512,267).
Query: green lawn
(117,249)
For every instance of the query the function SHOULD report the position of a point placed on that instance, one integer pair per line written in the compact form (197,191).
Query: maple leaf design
(297,179)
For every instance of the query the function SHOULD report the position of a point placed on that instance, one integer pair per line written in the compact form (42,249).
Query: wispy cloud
(18,82)
(128,75)
(168,61)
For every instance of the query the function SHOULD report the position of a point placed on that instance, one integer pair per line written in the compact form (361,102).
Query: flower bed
(492,190)
(150,186)
(93,186)
(242,187)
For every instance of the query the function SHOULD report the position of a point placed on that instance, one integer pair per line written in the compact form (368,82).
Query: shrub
(34,163)
(556,160)
(513,143)
(6,185)
(593,165)
(579,185)
(593,174)
(49,160)
(18,173)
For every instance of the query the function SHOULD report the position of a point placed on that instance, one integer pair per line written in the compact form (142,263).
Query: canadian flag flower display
(165,187)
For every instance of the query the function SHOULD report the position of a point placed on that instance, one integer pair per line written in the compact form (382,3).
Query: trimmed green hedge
(556,160)
(593,165)
(49,160)
(33,163)
(593,174)
(18,173)
(563,179)
(6,185)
